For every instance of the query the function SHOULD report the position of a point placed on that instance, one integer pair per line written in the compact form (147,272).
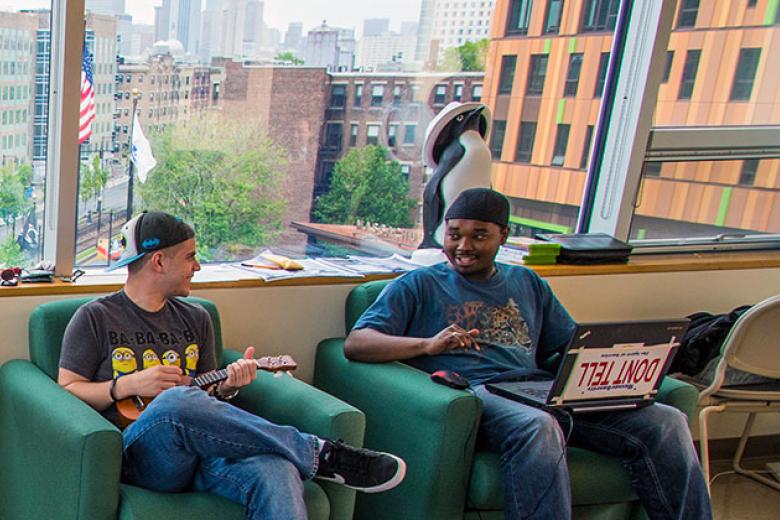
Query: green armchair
(62,459)
(434,429)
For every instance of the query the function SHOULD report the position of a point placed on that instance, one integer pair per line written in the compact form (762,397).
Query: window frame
(690,69)
(562,133)
(506,77)
(516,9)
(571,84)
(534,67)
(745,66)
(553,28)
(526,135)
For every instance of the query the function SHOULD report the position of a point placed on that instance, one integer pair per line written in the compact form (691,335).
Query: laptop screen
(617,360)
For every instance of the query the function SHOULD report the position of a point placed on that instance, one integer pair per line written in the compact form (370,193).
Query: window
(536,74)
(333,133)
(338,96)
(358,99)
(552,23)
(405,170)
(392,131)
(396,94)
(410,132)
(458,93)
(573,75)
(497,139)
(353,134)
(668,66)
(745,74)
(525,142)
(599,15)
(601,75)
(440,95)
(686,17)
(507,76)
(476,93)
(561,141)
(689,74)
(584,160)
(747,176)
(652,169)
(377,95)
(372,134)
(519,16)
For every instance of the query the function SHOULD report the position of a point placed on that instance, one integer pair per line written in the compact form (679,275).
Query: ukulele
(130,408)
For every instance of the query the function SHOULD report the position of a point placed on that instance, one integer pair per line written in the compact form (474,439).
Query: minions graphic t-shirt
(112,337)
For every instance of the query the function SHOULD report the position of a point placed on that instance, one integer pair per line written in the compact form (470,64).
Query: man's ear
(156,260)
(504,235)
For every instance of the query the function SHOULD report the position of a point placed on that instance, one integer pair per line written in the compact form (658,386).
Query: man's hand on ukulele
(451,338)
(153,380)
(241,372)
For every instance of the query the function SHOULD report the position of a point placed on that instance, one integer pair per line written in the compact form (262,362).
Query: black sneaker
(364,470)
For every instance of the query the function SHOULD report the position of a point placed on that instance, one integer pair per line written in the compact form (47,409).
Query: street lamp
(137,94)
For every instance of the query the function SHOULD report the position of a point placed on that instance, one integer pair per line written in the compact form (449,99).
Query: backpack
(702,341)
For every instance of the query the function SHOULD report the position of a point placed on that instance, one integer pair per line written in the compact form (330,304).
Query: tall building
(385,50)
(375,26)
(330,47)
(179,20)
(294,36)
(107,7)
(446,23)
(101,40)
(18,35)
(141,39)
(252,38)
(211,31)
(546,70)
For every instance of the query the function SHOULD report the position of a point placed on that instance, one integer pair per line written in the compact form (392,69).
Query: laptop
(607,366)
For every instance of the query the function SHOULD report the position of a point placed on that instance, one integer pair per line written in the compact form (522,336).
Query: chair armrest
(431,426)
(286,400)
(61,458)
(679,394)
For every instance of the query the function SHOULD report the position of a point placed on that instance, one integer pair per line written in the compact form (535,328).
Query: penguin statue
(456,150)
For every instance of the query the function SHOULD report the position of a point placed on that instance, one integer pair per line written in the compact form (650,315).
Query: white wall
(293,319)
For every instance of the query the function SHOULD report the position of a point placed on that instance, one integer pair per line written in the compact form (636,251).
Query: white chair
(752,346)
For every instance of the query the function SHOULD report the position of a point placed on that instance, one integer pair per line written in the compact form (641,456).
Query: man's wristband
(221,396)
(111,390)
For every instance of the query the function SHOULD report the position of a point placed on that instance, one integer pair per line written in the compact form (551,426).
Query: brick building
(289,103)
(388,109)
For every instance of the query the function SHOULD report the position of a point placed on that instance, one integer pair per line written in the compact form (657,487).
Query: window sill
(638,264)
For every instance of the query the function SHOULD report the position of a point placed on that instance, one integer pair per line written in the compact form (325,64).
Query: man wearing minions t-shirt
(144,341)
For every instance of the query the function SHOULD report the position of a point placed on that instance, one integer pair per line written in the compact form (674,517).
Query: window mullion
(67,35)
(628,127)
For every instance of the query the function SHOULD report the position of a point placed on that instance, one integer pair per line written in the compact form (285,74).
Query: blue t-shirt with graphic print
(519,319)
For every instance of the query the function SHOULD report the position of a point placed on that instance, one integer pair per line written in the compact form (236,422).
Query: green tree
(93,179)
(11,254)
(366,186)
(468,57)
(223,177)
(13,202)
(289,56)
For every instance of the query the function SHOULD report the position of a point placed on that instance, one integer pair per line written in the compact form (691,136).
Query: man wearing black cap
(143,341)
(491,322)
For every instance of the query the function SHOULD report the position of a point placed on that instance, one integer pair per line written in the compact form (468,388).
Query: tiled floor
(735,497)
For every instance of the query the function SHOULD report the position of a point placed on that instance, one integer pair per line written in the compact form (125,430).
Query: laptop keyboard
(540,393)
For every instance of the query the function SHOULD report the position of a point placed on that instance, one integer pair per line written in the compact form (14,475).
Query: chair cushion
(137,503)
(360,298)
(595,478)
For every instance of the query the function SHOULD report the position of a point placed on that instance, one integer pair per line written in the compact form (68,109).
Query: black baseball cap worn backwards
(480,204)
(151,231)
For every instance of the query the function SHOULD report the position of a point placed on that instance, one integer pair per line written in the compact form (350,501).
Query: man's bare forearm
(372,346)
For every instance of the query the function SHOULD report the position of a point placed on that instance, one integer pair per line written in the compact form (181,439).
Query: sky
(278,13)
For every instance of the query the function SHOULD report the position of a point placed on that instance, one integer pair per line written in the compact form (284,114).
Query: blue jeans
(653,442)
(188,440)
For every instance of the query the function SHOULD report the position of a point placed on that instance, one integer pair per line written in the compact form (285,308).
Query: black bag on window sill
(589,248)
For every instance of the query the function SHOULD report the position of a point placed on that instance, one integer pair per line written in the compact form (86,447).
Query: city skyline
(277,13)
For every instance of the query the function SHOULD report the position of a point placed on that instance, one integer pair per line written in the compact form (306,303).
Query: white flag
(141,153)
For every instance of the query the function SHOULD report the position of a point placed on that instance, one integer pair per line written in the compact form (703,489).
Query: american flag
(87,113)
